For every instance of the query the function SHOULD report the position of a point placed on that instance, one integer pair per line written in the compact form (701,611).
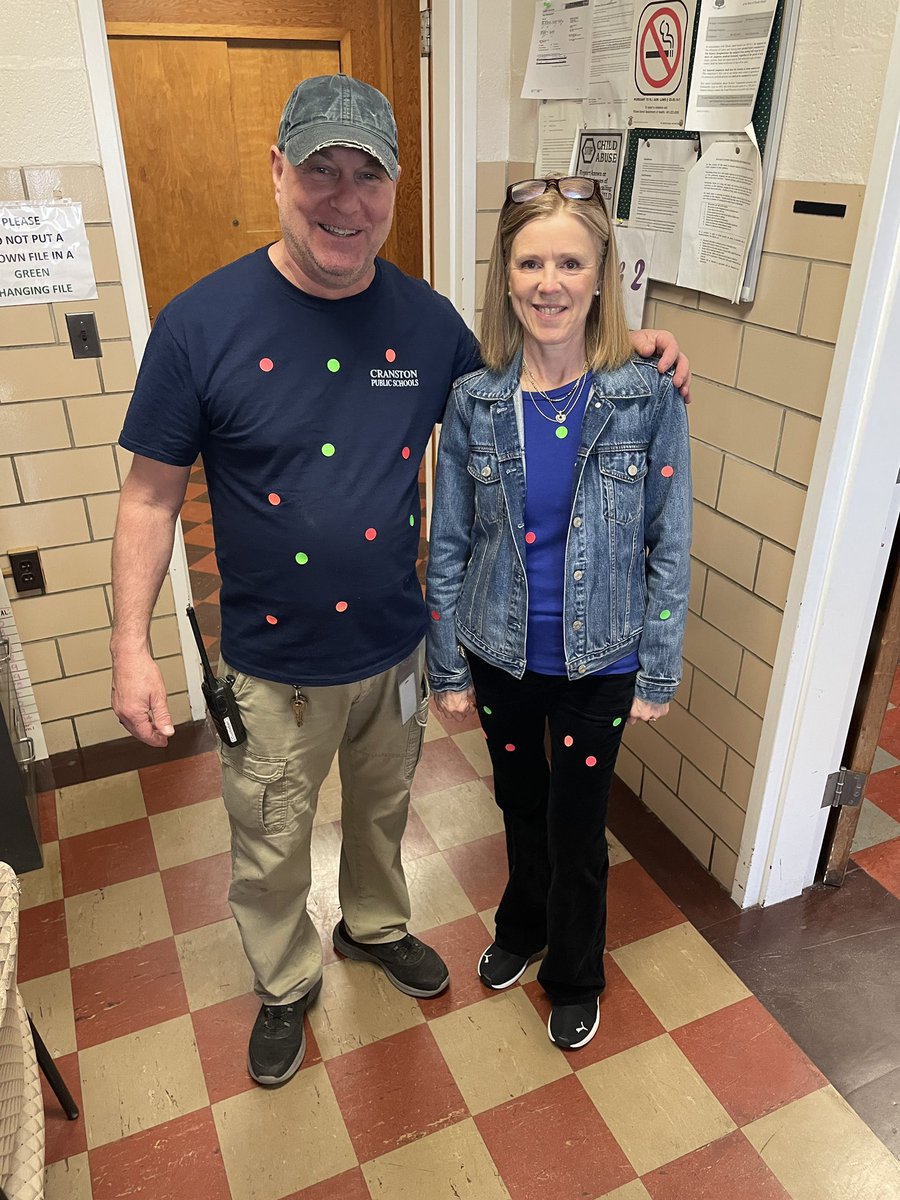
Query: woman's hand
(643,710)
(663,343)
(455,705)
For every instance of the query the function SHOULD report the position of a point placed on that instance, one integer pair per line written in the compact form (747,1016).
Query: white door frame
(845,538)
(112,160)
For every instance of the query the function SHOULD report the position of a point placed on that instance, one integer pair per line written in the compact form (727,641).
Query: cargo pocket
(417,724)
(254,790)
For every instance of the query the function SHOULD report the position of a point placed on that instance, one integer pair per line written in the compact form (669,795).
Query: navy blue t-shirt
(312,416)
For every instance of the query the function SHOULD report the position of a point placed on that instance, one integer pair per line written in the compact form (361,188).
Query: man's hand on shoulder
(663,343)
(139,697)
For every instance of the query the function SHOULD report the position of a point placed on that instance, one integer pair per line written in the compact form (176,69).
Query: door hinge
(844,789)
(425,33)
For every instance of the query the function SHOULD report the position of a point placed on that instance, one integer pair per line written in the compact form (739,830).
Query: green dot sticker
(664,615)
(561,431)
(487,711)
(617,722)
(301,558)
(328,450)
(412,519)
(333,365)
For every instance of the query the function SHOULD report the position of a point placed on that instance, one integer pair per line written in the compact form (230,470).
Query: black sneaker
(499,969)
(409,964)
(572,1026)
(278,1040)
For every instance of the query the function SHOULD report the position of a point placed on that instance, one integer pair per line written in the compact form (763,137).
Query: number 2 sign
(634,248)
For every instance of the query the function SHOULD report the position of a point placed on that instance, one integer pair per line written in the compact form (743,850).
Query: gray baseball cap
(336,110)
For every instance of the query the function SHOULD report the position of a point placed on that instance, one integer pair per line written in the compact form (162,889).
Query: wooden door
(199,104)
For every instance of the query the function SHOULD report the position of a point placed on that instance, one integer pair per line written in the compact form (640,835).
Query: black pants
(555,815)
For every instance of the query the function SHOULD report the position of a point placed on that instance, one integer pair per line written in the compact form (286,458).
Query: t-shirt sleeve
(165,418)
(468,353)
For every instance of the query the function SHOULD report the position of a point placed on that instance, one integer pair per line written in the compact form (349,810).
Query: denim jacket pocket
(622,479)
(484,467)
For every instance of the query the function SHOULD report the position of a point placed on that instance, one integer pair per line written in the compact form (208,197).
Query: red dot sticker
(667,472)
(530,537)
(405,452)
(590,761)
(272,620)
(341,606)
(435,615)
(568,740)
(274,498)
(509,746)
(390,355)
(371,535)
(266,364)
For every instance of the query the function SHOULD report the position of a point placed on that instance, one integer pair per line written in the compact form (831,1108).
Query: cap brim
(301,145)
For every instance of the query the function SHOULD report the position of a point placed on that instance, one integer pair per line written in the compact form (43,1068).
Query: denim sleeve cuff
(655,691)
(443,682)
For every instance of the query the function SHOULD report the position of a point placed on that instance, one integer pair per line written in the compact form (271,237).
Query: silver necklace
(568,401)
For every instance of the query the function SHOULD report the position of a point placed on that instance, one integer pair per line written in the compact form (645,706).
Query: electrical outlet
(28,575)
(83,336)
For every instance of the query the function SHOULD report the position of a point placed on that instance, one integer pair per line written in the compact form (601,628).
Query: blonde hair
(606,341)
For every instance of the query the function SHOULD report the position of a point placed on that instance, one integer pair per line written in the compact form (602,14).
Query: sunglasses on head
(572,187)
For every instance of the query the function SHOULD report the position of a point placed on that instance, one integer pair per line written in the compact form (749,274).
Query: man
(309,375)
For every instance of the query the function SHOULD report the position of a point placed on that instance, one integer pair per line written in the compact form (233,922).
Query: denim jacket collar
(621,383)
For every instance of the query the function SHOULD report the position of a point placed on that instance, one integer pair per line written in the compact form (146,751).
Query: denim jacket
(627,570)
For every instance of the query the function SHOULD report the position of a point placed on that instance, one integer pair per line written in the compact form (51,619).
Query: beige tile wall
(60,476)
(760,375)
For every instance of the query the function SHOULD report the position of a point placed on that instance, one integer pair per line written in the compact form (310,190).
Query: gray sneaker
(409,964)
(278,1040)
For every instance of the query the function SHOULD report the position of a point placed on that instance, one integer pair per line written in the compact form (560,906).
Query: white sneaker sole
(584,1041)
(499,987)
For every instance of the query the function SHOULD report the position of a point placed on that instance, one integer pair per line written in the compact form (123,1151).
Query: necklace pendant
(560,417)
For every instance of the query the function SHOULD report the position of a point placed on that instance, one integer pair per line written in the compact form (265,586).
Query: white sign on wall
(44,254)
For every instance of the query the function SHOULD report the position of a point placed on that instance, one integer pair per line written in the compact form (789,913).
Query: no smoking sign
(660,48)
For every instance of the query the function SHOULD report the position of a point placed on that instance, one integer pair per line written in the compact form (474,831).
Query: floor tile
(434,893)
(441,766)
(617,852)
(303,1120)
(126,992)
(453,725)
(196,831)
(105,856)
(120,917)
(553,1142)
(197,892)
(874,827)
(184,1153)
(68,1179)
(877,1103)
(358,1006)
(729,1167)
(349,1185)
(655,1103)
(461,945)
(498,1050)
(193,490)
(99,803)
(49,1003)
(141,1080)
(63,1138)
(45,885)
(895,688)
(883,789)
(213,964)
(200,535)
(625,1019)
(630,1191)
(394,1091)
(636,907)
(883,761)
(185,781)
(821,1150)
(747,1060)
(195,510)
(882,863)
(889,738)
(460,814)
(208,564)
(47,815)
(434,729)
(474,747)
(482,869)
(43,947)
(417,841)
(452,1164)
(679,975)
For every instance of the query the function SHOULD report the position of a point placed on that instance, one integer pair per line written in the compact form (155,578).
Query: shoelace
(276,1015)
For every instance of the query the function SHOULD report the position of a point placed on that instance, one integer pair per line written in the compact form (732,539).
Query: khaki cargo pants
(271,785)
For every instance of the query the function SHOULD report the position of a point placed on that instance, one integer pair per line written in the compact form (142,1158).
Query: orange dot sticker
(667,472)
(266,364)
(590,761)
(341,606)
(405,452)
(390,355)
(274,498)
(568,740)
(509,746)
(530,537)
(271,620)
(371,535)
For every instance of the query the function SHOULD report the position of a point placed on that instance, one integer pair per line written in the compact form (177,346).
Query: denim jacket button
(485,471)
(577,522)
(578,574)
(582,669)
(577,624)
(632,470)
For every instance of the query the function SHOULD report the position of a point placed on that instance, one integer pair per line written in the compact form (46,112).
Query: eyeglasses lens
(528,189)
(576,187)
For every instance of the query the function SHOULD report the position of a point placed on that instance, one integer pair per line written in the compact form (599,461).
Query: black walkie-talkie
(218,694)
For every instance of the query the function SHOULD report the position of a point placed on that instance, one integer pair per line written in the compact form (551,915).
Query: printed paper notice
(657,200)
(557,60)
(20,678)
(635,250)
(599,156)
(660,49)
(558,125)
(609,69)
(44,254)
(721,205)
(731,47)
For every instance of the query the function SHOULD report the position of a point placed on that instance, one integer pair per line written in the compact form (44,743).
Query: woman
(559,573)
